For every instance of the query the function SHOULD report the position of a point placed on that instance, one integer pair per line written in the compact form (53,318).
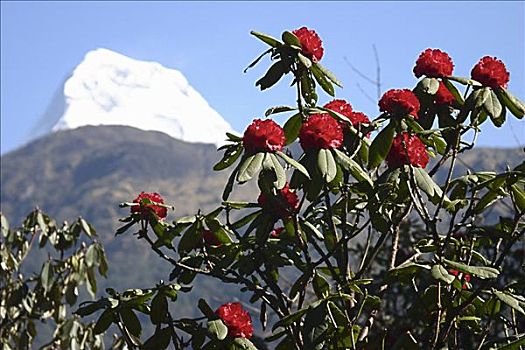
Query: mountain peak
(108,88)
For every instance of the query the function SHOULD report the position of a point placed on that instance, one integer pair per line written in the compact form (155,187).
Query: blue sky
(41,42)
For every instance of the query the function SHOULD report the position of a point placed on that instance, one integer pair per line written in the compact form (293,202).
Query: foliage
(73,260)
(343,248)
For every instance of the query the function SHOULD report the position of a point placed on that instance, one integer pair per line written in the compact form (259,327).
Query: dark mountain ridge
(90,170)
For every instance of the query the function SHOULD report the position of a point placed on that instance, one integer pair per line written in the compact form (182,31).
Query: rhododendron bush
(352,242)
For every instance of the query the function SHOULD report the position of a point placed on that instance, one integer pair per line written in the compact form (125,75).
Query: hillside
(90,170)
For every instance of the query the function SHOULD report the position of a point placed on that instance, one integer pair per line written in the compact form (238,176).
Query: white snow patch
(108,88)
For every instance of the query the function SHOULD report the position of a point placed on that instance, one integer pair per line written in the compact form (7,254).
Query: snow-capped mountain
(108,88)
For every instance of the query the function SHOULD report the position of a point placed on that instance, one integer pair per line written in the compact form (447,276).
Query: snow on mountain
(108,88)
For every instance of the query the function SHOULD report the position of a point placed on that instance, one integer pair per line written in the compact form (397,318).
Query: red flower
(466,277)
(415,152)
(490,71)
(283,205)
(146,209)
(358,118)
(311,44)
(237,320)
(321,131)
(263,136)
(399,102)
(443,96)
(340,106)
(210,239)
(433,63)
(276,232)
(345,108)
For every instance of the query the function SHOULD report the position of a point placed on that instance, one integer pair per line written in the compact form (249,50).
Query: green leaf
(329,75)
(464,81)
(251,65)
(272,76)
(160,340)
(131,321)
(304,60)
(217,329)
(245,220)
(519,196)
(480,96)
(92,282)
(90,308)
(315,328)
(159,308)
(250,167)
(482,272)
(292,127)
(308,89)
(102,262)
(241,344)
(71,293)
(271,164)
(124,228)
(205,308)
(454,91)
(426,184)
(308,226)
(292,162)
(46,276)
(41,222)
(440,273)
(91,256)
(380,146)
(186,219)
(230,156)
(189,240)
(515,106)
(233,137)
(321,286)
(326,164)
(221,233)
(326,84)
(428,85)
(266,38)
(288,320)
(515,345)
(494,109)
(290,39)
(353,167)
(407,270)
(278,109)
(88,229)
(104,321)
(510,300)
(4,225)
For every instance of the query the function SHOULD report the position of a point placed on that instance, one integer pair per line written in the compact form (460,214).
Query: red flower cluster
(359,117)
(443,96)
(321,131)
(283,205)
(340,106)
(311,43)
(433,63)
(210,239)
(146,209)
(415,152)
(276,232)
(237,320)
(399,102)
(263,136)
(466,277)
(345,108)
(490,71)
